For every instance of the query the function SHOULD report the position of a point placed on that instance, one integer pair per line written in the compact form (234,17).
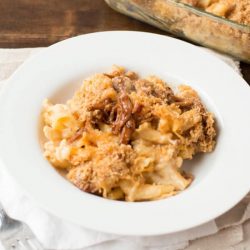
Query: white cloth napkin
(54,233)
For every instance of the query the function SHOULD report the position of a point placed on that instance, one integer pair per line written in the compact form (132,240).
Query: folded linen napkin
(54,233)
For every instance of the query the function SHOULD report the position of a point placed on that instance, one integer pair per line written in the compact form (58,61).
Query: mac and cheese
(123,137)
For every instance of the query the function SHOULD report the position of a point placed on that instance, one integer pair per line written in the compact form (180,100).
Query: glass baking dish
(190,23)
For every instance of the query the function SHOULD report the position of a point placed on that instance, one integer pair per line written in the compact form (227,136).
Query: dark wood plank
(34,23)
(245,69)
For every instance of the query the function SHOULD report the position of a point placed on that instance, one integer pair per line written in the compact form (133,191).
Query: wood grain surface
(38,23)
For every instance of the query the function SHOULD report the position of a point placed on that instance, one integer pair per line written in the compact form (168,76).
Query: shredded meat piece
(127,131)
(208,142)
(187,104)
(109,117)
(125,122)
(124,112)
(156,89)
(137,108)
(104,111)
(77,135)
(123,84)
(167,94)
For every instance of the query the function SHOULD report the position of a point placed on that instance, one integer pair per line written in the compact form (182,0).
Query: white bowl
(222,178)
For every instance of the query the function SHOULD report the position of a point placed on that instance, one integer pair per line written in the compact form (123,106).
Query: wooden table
(35,23)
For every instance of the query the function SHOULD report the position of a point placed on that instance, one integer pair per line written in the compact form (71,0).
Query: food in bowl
(125,138)
(236,10)
(223,25)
